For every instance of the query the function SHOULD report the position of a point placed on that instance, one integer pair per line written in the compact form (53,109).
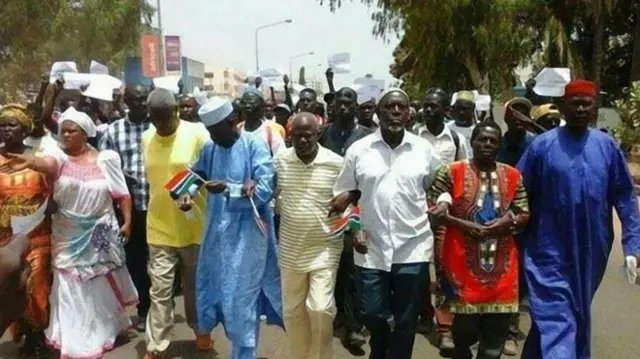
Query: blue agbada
(238,278)
(573,182)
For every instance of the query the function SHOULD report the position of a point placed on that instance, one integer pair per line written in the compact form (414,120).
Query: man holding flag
(174,238)
(237,278)
(310,241)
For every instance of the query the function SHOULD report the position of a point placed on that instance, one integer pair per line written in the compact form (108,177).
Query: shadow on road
(180,349)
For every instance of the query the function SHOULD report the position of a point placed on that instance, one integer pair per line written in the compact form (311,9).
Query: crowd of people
(240,206)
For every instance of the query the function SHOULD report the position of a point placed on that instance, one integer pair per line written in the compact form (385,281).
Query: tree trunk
(635,57)
(598,24)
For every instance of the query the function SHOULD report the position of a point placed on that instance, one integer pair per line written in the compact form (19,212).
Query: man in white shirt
(389,171)
(464,121)
(450,145)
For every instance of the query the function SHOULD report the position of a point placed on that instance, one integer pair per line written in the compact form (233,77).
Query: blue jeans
(390,302)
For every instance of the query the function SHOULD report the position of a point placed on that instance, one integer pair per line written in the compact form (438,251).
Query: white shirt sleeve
(277,142)
(462,150)
(347,180)
(434,165)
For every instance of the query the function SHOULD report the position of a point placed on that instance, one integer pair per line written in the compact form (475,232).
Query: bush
(629,110)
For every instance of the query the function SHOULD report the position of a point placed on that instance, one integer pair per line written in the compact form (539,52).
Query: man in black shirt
(337,137)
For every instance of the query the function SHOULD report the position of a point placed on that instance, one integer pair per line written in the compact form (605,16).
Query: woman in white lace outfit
(91,284)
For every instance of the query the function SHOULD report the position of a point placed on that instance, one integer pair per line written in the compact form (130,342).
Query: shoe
(153,355)
(424,326)
(510,347)
(141,325)
(353,342)
(204,343)
(446,342)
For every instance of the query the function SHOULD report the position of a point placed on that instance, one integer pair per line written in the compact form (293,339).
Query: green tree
(36,33)
(463,43)
(454,43)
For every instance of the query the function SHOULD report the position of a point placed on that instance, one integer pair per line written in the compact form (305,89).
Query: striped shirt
(306,190)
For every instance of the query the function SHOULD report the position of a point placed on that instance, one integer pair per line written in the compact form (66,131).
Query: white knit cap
(214,111)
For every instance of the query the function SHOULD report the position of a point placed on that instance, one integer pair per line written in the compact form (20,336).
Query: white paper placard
(98,68)
(551,81)
(340,63)
(61,67)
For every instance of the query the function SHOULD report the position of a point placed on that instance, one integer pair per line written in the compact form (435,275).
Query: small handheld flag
(182,182)
(350,221)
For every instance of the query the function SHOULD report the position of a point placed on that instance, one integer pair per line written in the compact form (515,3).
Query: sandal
(204,343)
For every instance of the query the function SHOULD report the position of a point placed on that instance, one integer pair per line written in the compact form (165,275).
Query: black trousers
(491,330)
(514,330)
(137,251)
(390,302)
(345,293)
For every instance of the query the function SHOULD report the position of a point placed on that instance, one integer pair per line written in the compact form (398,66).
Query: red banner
(149,45)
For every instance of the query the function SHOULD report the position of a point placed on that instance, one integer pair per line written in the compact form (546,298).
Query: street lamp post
(160,39)
(287,21)
(297,57)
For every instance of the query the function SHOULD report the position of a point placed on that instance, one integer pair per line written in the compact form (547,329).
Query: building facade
(223,81)
(192,74)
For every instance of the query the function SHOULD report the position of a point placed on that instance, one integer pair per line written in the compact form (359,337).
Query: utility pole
(160,39)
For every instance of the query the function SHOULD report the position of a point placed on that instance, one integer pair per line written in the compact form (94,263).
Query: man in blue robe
(574,177)
(237,278)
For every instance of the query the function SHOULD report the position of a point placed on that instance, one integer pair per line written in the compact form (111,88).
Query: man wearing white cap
(238,278)
(170,146)
(463,113)
(391,169)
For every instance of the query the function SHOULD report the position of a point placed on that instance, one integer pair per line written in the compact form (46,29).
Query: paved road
(616,315)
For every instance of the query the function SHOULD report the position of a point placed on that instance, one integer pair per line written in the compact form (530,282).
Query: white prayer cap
(390,90)
(161,98)
(79,118)
(284,106)
(216,110)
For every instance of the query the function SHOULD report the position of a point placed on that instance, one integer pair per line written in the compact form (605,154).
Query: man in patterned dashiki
(237,278)
(574,176)
(478,252)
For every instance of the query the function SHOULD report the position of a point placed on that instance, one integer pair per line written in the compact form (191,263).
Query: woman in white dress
(91,284)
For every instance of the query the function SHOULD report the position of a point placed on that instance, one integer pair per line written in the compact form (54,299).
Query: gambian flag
(182,182)
(350,221)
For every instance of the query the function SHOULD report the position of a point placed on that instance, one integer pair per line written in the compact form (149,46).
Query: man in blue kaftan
(237,278)
(574,177)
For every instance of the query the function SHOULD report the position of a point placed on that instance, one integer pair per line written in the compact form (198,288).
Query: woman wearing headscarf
(24,192)
(91,284)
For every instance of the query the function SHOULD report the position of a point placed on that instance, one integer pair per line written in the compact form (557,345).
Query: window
(209,88)
(226,86)
(226,74)
(208,75)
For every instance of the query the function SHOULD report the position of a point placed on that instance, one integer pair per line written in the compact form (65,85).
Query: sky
(221,33)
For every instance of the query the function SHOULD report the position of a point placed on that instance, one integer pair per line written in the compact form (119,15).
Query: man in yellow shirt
(168,147)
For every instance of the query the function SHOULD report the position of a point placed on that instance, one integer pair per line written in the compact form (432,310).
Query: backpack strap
(456,141)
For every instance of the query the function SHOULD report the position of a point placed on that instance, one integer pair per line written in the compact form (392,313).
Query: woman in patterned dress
(91,284)
(24,192)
